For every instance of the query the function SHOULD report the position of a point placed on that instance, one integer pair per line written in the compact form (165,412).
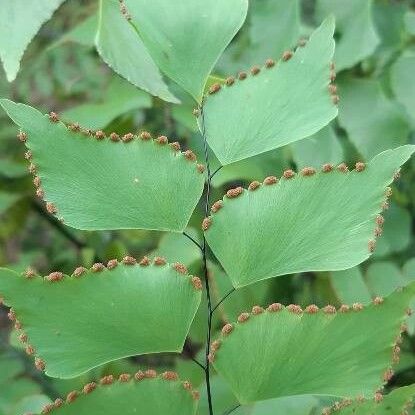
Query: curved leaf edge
(309,311)
(338,406)
(201,96)
(81,272)
(303,174)
(256,70)
(11,77)
(168,97)
(125,378)
(141,138)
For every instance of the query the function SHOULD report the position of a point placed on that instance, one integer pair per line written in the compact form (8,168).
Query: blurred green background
(61,71)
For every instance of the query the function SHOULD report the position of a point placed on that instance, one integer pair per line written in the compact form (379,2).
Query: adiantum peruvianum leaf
(399,401)
(74,323)
(323,220)
(94,182)
(121,48)
(20,20)
(144,392)
(287,351)
(276,105)
(186,38)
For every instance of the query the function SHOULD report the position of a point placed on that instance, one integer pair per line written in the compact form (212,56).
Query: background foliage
(62,70)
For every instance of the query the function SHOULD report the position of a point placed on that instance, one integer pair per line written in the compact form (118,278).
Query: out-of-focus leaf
(244,299)
(278,106)
(151,395)
(12,169)
(186,38)
(253,168)
(120,98)
(20,20)
(402,81)
(31,404)
(351,360)
(101,184)
(397,232)
(384,277)
(7,200)
(95,312)
(410,22)
(322,147)
(357,34)
(350,286)
(15,390)
(121,49)
(383,125)
(178,246)
(83,34)
(409,269)
(274,27)
(258,234)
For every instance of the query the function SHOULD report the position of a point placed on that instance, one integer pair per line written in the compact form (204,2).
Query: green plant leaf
(384,125)
(92,185)
(174,245)
(19,22)
(7,200)
(322,147)
(278,106)
(396,235)
(401,80)
(31,404)
(120,98)
(287,351)
(274,26)
(384,277)
(396,402)
(123,311)
(131,395)
(350,286)
(313,221)
(186,38)
(122,50)
(82,34)
(358,38)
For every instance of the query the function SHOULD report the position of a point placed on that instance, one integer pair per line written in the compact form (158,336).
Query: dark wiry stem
(204,253)
(223,299)
(232,410)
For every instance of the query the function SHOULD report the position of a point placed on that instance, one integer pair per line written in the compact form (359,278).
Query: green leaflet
(350,287)
(274,26)
(322,147)
(401,79)
(322,221)
(96,316)
(397,402)
(358,37)
(122,50)
(278,106)
(20,20)
(109,185)
(287,351)
(384,125)
(186,38)
(131,395)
